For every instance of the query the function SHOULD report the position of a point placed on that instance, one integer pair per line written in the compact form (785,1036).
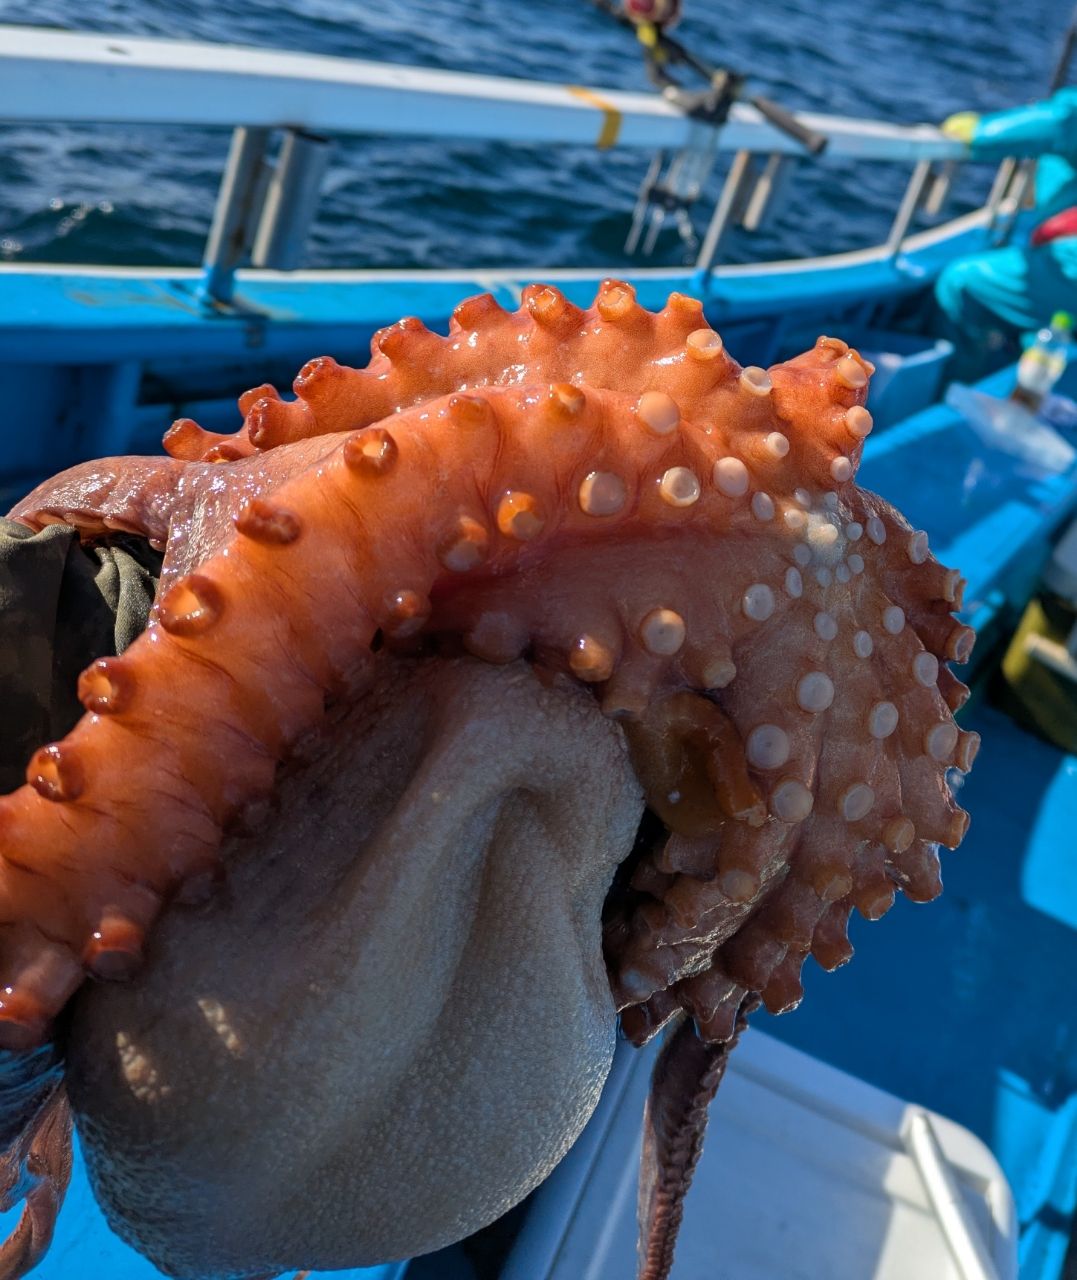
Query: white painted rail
(73,78)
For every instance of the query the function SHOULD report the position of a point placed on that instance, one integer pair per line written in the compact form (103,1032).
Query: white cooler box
(807,1174)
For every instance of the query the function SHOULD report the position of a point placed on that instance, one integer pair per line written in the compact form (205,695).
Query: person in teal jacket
(990,298)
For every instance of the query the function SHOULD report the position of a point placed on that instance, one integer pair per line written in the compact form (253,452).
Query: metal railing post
(1001,184)
(232,232)
(730,204)
(910,202)
(939,190)
(291,201)
(767,191)
(1008,192)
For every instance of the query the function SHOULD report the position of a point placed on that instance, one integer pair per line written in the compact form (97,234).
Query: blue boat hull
(95,362)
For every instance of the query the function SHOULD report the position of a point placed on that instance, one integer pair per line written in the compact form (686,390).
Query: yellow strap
(611,123)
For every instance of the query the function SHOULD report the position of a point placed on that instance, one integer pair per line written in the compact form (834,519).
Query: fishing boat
(948,1099)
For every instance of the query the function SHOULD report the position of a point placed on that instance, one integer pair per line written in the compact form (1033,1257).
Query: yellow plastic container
(1040,666)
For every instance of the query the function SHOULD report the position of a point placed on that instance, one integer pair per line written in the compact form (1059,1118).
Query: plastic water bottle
(1043,363)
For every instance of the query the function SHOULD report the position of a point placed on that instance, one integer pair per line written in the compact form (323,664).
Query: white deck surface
(807,1174)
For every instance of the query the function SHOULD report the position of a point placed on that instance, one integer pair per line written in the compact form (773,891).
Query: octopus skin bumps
(548,675)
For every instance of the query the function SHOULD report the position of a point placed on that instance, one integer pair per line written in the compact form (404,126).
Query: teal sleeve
(1042,128)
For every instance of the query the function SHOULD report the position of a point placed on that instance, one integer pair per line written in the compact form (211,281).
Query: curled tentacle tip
(773,639)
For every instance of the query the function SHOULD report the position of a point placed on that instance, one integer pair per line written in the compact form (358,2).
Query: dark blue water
(124,195)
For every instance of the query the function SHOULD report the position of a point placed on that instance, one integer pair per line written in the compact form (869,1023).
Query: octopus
(546,678)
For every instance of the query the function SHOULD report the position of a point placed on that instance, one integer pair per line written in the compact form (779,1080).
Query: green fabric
(61,606)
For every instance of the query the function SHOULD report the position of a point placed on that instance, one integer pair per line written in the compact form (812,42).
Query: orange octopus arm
(764,588)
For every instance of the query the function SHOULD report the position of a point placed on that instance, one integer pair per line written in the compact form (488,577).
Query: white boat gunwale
(100,78)
(137,80)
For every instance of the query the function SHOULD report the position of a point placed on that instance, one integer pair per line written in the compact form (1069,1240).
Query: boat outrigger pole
(673,183)
(1065,55)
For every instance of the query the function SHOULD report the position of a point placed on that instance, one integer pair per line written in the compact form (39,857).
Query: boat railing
(263,212)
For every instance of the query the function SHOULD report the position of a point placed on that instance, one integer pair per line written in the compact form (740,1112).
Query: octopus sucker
(566,594)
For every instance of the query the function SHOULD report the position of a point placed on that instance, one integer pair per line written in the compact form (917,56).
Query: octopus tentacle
(129,495)
(547,467)
(686,1078)
(615,343)
(185,508)
(605,492)
(601,462)
(186,440)
(902,799)
(36,1170)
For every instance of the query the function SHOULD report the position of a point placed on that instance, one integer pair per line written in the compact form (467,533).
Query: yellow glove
(647,34)
(961,125)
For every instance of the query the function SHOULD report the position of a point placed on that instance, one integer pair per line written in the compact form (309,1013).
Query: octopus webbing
(546,674)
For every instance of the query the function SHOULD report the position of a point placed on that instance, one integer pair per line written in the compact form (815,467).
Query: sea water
(130,195)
